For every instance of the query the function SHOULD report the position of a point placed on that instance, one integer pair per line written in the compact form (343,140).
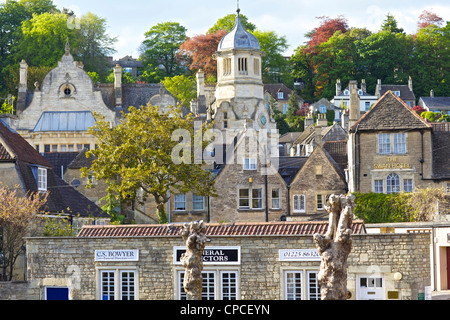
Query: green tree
(93,45)
(431,61)
(12,14)
(227,23)
(138,158)
(303,70)
(182,87)
(390,25)
(43,39)
(275,68)
(160,48)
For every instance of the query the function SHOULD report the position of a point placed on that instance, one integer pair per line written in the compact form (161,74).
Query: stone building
(318,178)
(342,97)
(392,149)
(57,114)
(404,92)
(281,94)
(250,261)
(239,94)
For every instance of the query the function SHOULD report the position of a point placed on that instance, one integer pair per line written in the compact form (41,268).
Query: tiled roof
(405,92)
(390,113)
(14,147)
(237,229)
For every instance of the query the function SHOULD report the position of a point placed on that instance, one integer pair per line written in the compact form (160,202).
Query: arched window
(393,183)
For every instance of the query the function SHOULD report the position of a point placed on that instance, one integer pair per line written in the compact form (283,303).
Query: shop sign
(213,255)
(116,255)
(299,255)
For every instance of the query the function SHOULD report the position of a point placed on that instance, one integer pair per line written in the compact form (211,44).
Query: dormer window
(280,95)
(346,92)
(360,92)
(42,179)
(397,93)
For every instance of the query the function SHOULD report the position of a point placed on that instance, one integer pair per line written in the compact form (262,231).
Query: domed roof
(239,38)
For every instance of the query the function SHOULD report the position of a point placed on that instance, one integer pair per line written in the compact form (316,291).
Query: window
(256,67)
(322,109)
(276,199)
(280,95)
(225,120)
(400,143)
(228,289)
(408,185)
(54,148)
(47,148)
(226,66)
(180,202)
(320,202)
(198,202)
(378,186)
(244,199)
(393,183)
(285,108)
(313,286)
(257,199)
(367,106)
(293,285)
(250,164)
(118,285)
(299,203)
(384,143)
(397,93)
(42,179)
(319,170)
(242,66)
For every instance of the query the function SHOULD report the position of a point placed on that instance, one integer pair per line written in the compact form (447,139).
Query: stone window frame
(218,284)
(175,201)
(305,281)
(250,198)
(197,201)
(393,183)
(304,203)
(272,198)
(392,143)
(117,270)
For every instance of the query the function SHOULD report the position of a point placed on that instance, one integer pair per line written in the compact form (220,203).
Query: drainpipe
(267,201)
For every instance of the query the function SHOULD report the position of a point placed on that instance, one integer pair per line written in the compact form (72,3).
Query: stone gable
(390,113)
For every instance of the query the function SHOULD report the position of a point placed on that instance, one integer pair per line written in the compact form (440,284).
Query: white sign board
(299,255)
(116,255)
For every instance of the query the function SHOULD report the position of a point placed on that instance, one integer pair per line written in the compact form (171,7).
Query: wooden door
(448,268)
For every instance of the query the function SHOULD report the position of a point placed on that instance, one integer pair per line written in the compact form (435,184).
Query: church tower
(240,90)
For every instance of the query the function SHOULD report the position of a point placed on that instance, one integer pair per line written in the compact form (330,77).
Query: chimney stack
(338,87)
(432,93)
(23,87)
(410,84)
(378,89)
(363,86)
(118,88)
(354,103)
(200,83)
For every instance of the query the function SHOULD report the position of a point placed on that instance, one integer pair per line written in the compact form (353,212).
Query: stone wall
(70,262)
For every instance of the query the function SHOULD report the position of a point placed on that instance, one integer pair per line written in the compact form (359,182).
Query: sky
(129,20)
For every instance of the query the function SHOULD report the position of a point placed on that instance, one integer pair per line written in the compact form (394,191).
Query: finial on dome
(67,48)
(238,9)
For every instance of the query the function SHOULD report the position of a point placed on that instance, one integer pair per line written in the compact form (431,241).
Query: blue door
(60,294)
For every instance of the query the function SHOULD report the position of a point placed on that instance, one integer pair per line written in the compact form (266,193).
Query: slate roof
(390,113)
(60,160)
(290,166)
(274,88)
(441,154)
(14,147)
(239,38)
(405,93)
(338,151)
(61,196)
(436,103)
(236,229)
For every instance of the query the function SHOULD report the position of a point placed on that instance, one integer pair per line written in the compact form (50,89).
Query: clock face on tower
(263,120)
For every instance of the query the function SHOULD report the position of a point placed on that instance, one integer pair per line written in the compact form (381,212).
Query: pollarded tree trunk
(194,236)
(334,248)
